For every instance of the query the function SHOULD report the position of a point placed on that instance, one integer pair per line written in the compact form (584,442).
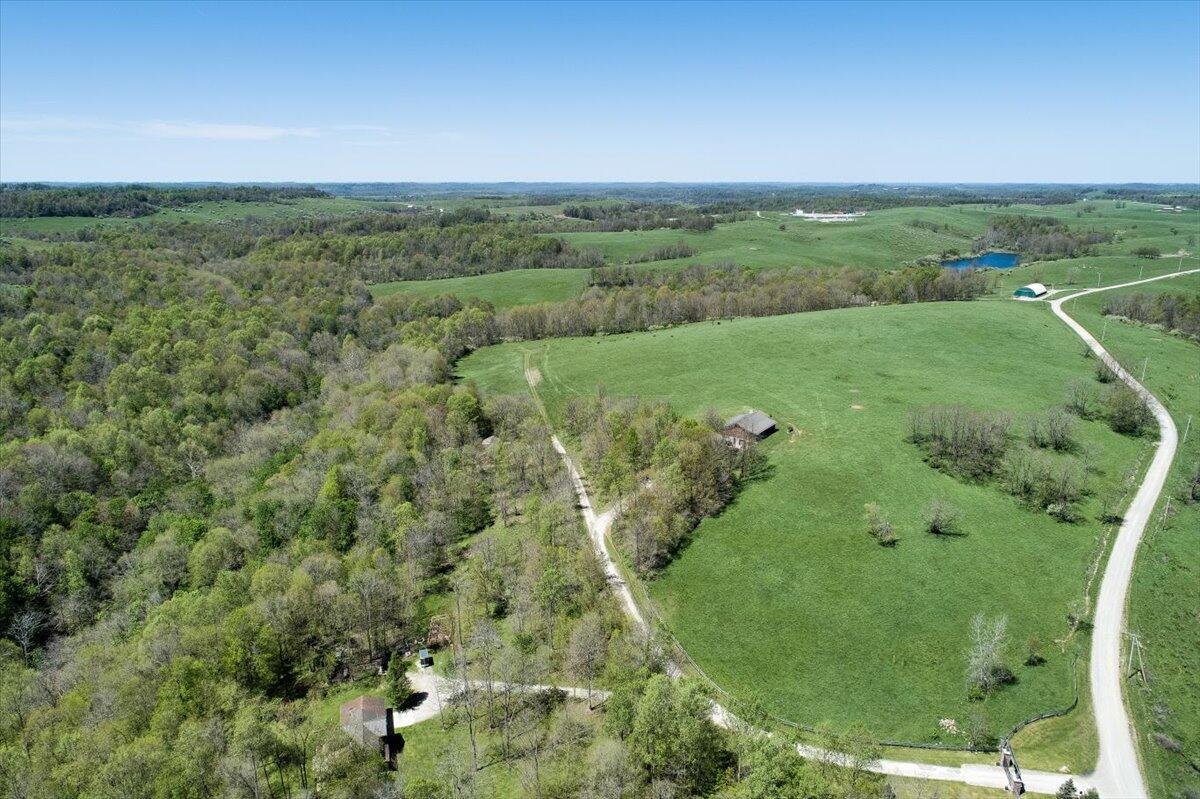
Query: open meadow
(784,595)
(501,289)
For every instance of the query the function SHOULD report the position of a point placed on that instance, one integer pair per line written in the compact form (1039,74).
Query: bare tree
(985,666)
(24,630)
(588,649)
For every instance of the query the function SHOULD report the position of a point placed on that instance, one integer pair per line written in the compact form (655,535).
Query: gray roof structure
(755,422)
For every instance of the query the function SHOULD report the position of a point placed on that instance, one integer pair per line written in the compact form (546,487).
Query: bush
(1147,252)
(1082,399)
(1033,651)
(943,518)
(1052,484)
(959,440)
(1126,412)
(397,686)
(1104,373)
(879,528)
(1053,430)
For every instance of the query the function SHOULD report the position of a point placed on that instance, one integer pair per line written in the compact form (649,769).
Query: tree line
(1178,313)
(35,199)
(1039,237)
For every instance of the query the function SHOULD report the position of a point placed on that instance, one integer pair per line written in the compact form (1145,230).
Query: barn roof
(755,422)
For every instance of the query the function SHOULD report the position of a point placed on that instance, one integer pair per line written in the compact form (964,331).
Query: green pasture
(784,595)
(501,289)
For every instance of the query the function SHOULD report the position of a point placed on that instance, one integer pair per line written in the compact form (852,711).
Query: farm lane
(1118,771)
(440,690)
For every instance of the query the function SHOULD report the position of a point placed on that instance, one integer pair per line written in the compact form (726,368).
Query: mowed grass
(1164,606)
(501,289)
(784,595)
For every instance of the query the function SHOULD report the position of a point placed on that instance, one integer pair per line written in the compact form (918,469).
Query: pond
(993,260)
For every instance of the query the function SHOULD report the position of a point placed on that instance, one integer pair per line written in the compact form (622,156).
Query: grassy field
(1165,600)
(501,289)
(196,212)
(887,239)
(828,626)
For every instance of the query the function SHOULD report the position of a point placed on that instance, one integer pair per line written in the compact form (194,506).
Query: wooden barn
(747,428)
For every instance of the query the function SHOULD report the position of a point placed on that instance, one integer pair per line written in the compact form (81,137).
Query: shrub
(943,518)
(1082,399)
(1055,429)
(1104,372)
(959,440)
(1052,484)
(1126,412)
(398,688)
(879,528)
(1033,651)
(1147,252)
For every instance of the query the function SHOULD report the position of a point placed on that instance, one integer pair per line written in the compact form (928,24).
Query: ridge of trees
(34,199)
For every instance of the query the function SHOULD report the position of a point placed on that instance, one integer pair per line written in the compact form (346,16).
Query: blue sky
(679,92)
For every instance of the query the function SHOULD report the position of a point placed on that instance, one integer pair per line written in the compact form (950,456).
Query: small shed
(747,428)
(424,658)
(1031,292)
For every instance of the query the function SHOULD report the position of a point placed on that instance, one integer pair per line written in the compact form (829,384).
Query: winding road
(1118,773)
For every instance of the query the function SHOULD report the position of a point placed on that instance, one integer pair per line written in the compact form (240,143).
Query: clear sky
(840,92)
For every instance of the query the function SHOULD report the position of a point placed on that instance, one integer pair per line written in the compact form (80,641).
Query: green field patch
(501,289)
(785,595)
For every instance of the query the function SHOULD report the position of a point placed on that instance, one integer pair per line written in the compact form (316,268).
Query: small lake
(992,260)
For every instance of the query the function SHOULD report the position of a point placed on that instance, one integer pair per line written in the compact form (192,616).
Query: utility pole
(1104,332)
(1144,363)
(1187,429)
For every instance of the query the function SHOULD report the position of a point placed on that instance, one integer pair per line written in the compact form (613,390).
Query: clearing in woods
(501,289)
(828,626)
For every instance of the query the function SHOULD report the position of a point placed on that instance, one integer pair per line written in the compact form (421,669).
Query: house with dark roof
(368,720)
(747,428)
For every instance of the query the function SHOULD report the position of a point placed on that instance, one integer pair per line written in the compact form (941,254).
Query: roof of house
(1036,288)
(755,422)
(365,707)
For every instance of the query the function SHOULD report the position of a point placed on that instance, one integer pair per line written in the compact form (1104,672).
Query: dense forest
(640,216)
(33,199)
